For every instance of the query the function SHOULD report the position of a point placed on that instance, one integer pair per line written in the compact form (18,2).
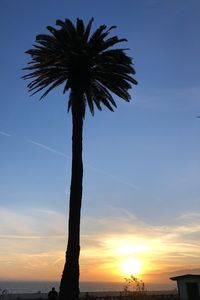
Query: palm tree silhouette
(92,69)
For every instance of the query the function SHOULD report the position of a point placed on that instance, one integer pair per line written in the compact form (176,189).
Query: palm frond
(66,87)
(90,101)
(80,28)
(69,104)
(111,42)
(55,84)
(89,63)
(97,103)
(107,104)
(103,92)
(71,28)
(121,92)
(87,31)
(97,34)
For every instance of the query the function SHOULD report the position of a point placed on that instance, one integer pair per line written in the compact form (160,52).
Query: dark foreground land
(135,297)
(98,296)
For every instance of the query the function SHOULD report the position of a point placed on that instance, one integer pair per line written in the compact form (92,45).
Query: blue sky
(142,162)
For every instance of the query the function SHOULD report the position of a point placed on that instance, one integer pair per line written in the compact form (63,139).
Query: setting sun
(131,266)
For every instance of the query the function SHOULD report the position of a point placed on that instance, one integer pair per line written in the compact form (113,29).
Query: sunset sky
(141,211)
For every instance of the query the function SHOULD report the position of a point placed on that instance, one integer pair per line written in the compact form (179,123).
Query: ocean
(21,287)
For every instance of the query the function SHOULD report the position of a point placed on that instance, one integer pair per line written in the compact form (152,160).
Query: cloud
(87,165)
(31,224)
(32,243)
(190,216)
(36,240)
(115,178)
(157,100)
(161,247)
(48,148)
(5,133)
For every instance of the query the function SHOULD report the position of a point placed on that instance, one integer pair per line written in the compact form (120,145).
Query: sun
(131,266)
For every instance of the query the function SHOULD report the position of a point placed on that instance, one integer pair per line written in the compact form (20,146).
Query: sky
(140,212)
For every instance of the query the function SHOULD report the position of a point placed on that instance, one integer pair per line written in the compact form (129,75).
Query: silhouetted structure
(188,286)
(92,70)
(53,294)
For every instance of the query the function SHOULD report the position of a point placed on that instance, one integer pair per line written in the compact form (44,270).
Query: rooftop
(185,276)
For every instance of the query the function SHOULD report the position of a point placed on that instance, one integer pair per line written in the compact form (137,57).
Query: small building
(188,286)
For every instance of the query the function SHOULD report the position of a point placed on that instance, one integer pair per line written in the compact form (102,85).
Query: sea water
(21,287)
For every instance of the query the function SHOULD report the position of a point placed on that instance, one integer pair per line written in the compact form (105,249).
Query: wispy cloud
(32,243)
(87,165)
(169,247)
(36,240)
(115,178)
(157,100)
(33,223)
(45,147)
(190,216)
(5,133)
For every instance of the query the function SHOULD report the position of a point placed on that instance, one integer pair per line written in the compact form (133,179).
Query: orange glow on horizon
(110,257)
(129,257)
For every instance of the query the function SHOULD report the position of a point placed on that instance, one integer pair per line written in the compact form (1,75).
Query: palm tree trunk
(69,286)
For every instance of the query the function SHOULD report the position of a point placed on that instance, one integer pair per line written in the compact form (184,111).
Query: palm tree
(92,69)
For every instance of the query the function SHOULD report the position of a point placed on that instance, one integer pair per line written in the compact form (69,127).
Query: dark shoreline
(102,294)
